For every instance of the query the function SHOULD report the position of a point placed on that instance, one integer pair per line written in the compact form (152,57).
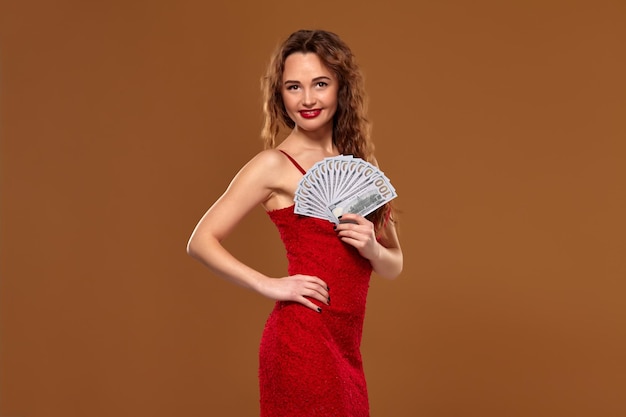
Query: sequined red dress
(310,363)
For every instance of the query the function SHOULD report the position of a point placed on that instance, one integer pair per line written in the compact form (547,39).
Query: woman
(310,361)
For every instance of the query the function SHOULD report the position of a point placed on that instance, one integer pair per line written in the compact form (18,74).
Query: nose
(308,98)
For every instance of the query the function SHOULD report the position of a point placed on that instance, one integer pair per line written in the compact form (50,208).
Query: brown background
(501,124)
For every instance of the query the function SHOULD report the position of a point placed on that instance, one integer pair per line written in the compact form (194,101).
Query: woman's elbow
(200,246)
(394,270)
(391,275)
(192,248)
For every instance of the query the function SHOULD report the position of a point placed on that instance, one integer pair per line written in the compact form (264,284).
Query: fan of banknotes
(342,184)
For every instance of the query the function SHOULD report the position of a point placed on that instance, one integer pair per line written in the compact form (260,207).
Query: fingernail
(319,310)
(335,227)
(340,216)
(328,300)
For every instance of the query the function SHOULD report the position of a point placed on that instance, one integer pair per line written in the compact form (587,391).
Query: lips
(310,114)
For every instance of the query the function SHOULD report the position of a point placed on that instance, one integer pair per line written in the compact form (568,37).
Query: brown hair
(351,128)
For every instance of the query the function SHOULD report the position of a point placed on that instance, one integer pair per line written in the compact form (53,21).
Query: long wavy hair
(351,127)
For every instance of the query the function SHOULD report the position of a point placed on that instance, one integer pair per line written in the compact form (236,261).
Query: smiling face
(309,92)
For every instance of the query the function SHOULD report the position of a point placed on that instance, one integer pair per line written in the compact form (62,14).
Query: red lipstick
(310,114)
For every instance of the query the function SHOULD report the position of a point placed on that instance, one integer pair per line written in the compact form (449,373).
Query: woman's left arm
(384,253)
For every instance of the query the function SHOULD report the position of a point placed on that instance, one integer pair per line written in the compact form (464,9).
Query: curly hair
(351,127)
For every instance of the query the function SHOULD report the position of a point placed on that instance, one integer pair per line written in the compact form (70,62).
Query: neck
(322,140)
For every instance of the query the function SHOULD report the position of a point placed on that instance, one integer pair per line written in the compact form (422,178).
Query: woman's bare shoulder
(270,157)
(265,161)
(268,168)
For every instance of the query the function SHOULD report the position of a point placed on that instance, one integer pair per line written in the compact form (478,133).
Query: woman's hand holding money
(357,231)
(298,288)
(384,254)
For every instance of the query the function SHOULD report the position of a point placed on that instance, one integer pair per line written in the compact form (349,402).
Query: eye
(321,84)
(293,87)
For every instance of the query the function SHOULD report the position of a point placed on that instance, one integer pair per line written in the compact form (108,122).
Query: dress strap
(293,161)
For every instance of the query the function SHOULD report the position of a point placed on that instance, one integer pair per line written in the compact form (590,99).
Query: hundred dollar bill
(341,184)
(305,211)
(366,200)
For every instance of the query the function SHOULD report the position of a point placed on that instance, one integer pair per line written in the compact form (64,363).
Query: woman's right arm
(253,185)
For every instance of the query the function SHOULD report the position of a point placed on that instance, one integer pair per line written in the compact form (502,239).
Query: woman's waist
(292,324)
(337,316)
(332,261)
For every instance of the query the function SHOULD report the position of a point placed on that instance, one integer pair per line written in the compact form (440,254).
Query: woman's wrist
(259,283)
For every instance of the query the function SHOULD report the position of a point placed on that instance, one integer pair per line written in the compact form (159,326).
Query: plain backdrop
(500,123)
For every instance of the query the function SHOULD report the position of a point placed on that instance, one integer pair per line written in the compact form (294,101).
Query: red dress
(310,362)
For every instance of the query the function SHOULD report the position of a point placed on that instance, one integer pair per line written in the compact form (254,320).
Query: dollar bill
(365,200)
(339,185)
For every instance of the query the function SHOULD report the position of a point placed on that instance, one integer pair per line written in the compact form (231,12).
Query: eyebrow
(316,79)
